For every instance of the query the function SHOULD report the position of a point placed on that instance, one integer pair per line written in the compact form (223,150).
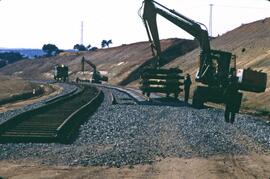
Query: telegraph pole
(210,20)
(82,33)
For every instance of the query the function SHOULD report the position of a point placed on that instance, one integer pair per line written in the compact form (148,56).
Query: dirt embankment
(16,92)
(12,86)
(251,44)
(123,64)
(253,166)
(119,63)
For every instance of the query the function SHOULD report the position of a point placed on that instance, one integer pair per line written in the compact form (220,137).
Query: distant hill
(29,53)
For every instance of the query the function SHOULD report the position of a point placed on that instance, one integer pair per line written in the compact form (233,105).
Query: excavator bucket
(250,80)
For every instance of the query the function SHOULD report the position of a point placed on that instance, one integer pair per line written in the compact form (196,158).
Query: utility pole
(82,33)
(210,20)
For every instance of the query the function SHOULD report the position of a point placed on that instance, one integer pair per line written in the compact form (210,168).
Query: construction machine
(60,73)
(97,77)
(220,80)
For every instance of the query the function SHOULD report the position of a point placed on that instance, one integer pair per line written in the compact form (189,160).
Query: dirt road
(252,166)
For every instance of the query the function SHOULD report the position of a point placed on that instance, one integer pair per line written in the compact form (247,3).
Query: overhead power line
(233,6)
(243,7)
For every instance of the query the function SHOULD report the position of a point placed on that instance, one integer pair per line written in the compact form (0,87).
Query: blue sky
(32,23)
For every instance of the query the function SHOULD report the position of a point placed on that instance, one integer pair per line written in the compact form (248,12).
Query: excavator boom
(97,77)
(89,63)
(152,8)
(221,84)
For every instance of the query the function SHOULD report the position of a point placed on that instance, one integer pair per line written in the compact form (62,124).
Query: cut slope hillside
(251,44)
(14,86)
(117,62)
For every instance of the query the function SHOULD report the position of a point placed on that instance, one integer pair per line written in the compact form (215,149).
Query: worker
(187,84)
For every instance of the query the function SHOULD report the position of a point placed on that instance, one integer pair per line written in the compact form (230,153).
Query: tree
(93,49)
(80,47)
(50,49)
(89,47)
(11,57)
(108,43)
(105,43)
(2,63)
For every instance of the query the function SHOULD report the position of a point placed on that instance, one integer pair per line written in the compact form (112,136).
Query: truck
(219,79)
(60,73)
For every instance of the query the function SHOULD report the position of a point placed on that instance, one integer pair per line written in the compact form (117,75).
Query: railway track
(55,122)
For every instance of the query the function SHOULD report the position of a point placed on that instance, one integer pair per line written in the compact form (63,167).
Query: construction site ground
(250,166)
(251,44)
(222,166)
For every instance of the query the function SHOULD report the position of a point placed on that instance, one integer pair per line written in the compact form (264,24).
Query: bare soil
(249,42)
(49,91)
(117,62)
(12,85)
(251,45)
(252,166)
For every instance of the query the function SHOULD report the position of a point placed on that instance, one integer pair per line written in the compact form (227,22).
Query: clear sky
(32,23)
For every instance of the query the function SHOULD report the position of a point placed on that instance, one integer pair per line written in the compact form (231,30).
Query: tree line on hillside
(51,49)
(10,57)
(81,47)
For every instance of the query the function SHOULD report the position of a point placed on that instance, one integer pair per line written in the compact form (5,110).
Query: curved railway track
(55,122)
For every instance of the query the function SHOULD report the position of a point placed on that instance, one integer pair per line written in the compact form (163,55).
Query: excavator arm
(150,11)
(89,63)
(97,77)
(222,84)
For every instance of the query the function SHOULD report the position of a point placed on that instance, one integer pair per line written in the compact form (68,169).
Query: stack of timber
(166,81)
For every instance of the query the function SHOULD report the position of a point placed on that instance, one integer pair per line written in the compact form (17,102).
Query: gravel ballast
(128,134)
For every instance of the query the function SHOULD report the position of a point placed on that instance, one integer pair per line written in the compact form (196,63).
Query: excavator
(97,77)
(220,80)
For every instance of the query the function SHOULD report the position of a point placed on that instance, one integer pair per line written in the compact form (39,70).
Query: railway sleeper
(32,130)
(28,138)
(36,134)
(38,121)
(37,126)
(52,122)
(53,117)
